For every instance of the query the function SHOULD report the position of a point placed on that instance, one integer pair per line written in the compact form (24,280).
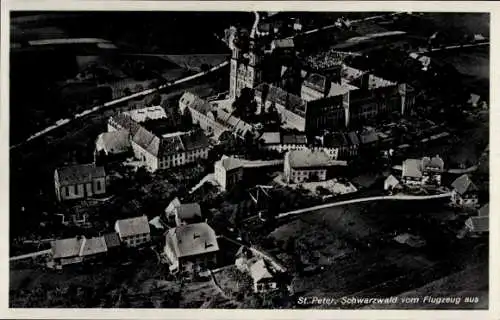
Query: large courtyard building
(306,165)
(161,152)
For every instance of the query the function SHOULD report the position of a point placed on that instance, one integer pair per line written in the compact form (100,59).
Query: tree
(186,120)
(204,67)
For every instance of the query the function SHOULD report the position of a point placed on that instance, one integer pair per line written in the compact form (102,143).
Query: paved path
(62,122)
(368,199)
(352,21)
(31,255)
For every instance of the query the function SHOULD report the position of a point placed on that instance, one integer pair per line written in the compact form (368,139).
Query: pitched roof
(335,140)
(188,211)
(145,138)
(81,173)
(478,224)
(271,138)
(149,113)
(192,239)
(391,181)
(126,122)
(484,211)
(463,184)
(92,246)
(194,140)
(133,226)
(434,162)
(172,205)
(412,168)
(353,138)
(259,271)
(114,141)
(294,139)
(112,240)
(65,248)
(279,96)
(368,137)
(340,89)
(307,158)
(229,163)
(192,100)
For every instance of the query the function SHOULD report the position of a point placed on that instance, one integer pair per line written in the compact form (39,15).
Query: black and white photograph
(300,160)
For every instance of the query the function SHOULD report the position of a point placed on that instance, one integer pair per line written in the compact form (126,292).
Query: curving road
(62,122)
(376,198)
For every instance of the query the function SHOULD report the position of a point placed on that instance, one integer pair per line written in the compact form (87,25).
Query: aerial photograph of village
(249,160)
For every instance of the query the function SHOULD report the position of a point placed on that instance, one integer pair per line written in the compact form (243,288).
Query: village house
(425,171)
(113,143)
(305,165)
(228,172)
(412,173)
(283,142)
(76,250)
(185,213)
(479,225)
(191,249)
(79,181)
(215,121)
(392,184)
(167,151)
(148,113)
(263,279)
(432,170)
(465,192)
(133,232)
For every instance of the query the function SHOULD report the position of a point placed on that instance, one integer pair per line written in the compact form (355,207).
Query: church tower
(245,69)
(246,62)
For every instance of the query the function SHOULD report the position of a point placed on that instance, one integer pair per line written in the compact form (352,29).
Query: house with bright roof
(305,165)
(76,250)
(191,249)
(464,192)
(133,232)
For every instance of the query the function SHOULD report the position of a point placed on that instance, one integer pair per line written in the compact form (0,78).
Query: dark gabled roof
(81,173)
(484,211)
(112,240)
(289,101)
(188,211)
(335,140)
(144,138)
(126,122)
(463,184)
(294,139)
(353,138)
(194,140)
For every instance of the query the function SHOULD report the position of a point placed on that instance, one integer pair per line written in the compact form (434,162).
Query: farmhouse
(191,248)
(185,213)
(228,172)
(465,192)
(79,181)
(305,165)
(133,232)
(76,250)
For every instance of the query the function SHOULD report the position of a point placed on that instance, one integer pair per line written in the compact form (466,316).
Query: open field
(358,257)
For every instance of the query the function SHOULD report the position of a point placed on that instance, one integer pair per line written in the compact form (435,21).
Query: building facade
(191,249)
(133,232)
(228,172)
(79,181)
(305,165)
